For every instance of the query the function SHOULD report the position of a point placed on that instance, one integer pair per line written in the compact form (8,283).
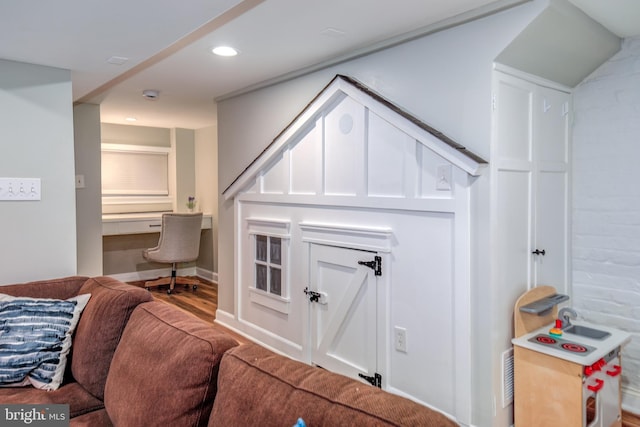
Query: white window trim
(268,300)
(279,229)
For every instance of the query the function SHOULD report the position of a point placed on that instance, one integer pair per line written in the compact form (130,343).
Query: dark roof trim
(422,125)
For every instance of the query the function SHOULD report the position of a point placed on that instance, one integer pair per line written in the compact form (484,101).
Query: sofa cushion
(92,419)
(35,339)
(165,368)
(100,328)
(258,387)
(80,401)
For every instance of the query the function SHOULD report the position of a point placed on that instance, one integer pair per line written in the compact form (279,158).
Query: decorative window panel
(270,241)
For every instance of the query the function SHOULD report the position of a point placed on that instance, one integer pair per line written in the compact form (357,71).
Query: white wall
(606,201)
(206,166)
(86,123)
(36,139)
(183,141)
(443,79)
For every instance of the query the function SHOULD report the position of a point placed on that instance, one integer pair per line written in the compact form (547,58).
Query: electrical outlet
(400,338)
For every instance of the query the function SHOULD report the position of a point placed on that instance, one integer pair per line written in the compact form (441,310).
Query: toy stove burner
(543,339)
(576,348)
(561,344)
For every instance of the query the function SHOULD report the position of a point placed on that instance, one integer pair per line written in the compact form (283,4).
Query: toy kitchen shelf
(568,380)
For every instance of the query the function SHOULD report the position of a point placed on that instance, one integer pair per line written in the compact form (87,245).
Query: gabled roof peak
(342,85)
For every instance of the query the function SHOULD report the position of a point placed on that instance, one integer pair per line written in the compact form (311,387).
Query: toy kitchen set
(566,372)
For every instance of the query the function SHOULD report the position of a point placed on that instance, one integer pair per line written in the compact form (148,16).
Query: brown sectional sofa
(139,362)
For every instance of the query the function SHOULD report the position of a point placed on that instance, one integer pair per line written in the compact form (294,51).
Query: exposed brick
(606,201)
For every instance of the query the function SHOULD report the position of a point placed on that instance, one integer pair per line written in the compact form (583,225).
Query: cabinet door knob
(539,252)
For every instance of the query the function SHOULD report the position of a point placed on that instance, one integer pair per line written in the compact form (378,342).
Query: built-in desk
(139,223)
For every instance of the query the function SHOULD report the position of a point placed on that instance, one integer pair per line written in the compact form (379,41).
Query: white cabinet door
(530,164)
(343,321)
(552,197)
(512,172)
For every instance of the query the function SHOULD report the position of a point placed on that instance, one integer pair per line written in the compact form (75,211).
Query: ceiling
(119,48)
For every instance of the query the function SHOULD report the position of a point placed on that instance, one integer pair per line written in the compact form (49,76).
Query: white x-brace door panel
(343,322)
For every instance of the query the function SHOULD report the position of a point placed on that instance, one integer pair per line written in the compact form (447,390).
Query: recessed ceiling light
(224,51)
(131,119)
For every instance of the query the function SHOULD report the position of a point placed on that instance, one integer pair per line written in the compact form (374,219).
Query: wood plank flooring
(204,301)
(201,303)
(630,420)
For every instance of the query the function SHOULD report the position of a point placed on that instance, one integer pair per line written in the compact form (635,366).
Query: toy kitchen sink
(564,376)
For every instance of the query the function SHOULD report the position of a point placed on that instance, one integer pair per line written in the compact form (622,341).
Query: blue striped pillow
(35,339)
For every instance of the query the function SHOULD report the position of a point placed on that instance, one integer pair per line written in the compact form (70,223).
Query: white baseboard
(163,272)
(226,319)
(209,275)
(258,335)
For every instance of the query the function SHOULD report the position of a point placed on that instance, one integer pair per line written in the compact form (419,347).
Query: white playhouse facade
(353,247)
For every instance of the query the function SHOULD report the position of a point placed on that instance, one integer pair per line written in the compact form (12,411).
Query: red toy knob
(597,386)
(617,369)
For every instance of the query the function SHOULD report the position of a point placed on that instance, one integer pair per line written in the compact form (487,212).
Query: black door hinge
(375,380)
(375,265)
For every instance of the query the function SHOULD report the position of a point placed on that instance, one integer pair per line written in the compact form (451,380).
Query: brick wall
(606,204)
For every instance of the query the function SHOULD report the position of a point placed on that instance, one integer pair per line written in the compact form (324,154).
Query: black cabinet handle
(539,252)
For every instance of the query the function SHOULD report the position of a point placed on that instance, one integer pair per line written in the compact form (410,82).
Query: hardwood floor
(630,420)
(204,301)
(201,303)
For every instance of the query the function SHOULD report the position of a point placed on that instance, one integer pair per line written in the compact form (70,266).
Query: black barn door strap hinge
(375,265)
(375,380)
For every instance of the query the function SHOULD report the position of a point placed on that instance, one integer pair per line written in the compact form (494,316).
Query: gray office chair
(179,242)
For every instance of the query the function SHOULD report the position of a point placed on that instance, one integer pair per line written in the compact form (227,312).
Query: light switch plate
(20,189)
(79,181)
(443,178)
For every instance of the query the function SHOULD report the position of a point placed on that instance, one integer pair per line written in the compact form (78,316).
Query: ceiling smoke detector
(151,94)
